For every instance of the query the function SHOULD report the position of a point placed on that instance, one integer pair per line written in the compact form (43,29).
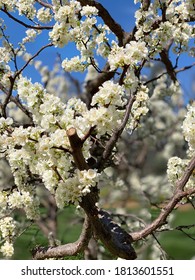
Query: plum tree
(122,129)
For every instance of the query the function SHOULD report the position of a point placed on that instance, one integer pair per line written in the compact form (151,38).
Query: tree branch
(180,184)
(145,4)
(117,240)
(37,27)
(114,238)
(185,68)
(177,196)
(70,249)
(30,59)
(169,67)
(17,102)
(44,4)
(13,79)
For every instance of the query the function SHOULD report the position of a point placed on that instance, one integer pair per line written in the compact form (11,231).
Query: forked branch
(114,238)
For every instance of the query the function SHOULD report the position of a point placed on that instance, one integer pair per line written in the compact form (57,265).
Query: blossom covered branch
(122,136)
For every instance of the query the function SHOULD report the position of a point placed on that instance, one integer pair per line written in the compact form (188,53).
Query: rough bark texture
(114,238)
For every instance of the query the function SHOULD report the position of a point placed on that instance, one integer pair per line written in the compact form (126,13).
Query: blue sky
(122,11)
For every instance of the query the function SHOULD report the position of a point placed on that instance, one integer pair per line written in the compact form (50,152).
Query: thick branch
(177,196)
(70,249)
(76,144)
(169,67)
(114,238)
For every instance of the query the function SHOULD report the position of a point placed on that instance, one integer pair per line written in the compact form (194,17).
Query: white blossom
(38,149)
(189,127)
(139,108)
(5,123)
(74,64)
(88,11)
(7,249)
(44,15)
(30,36)
(26,7)
(5,55)
(130,55)
(7,227)
(109,94)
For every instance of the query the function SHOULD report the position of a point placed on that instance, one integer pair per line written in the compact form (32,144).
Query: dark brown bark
(114,238)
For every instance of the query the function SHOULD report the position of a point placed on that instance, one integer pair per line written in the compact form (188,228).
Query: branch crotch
(113,237)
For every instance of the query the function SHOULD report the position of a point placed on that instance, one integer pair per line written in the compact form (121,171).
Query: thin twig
(37,27)
(185,68)
(188,235)
(32,57)
(185,227)
(13,78)
(44,4)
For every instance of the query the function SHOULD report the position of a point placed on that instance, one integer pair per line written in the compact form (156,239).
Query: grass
(177,244)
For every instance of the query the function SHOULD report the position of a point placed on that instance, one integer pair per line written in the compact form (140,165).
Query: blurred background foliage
(176,244)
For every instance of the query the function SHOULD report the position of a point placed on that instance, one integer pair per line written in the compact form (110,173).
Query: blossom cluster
(70,28)
(26,7)
(44,150)
(4,123)
(139,108)
(7,233)
(5,55)
(189,128)
(30,36)
(175,170)
(158,33)
(44,15)
(72,190)
(130,55)
(176,165)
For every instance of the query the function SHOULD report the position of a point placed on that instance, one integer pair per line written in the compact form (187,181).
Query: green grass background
(178,245)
